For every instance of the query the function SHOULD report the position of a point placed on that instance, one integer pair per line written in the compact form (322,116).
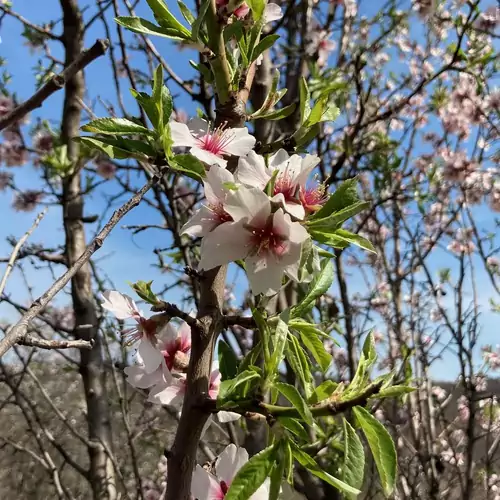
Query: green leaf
(143,289)
(317,111)
(305,98)
(228,362)
(354,458)
(234,389)
(112,150)
(189,165)
(257,7)
(199,19)
(331,114)
(188,16)
(249,478)
(293,395)
(320,284)
(381,446)
(204,70)
(276,479)
(323,391)
(344,196)
(116,126)
(369,350)
(300,364)
(317,348)
(139,25)
(310,464)
(266,43)
(277,114)
(165,18)
(340,238)
(295,427)
(335,219)
(279,342)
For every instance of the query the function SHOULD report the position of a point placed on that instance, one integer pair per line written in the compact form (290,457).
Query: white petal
(150,355)
(252,171)
(227,416)
(263,492)
(137,377)
(308,163)
(122,306)
(295,209)
(181,135)
(226,243)
(198,127)
(167,335)
(230,461)
(215,191)
(247,203)
(241,143)
(204,486)
(201,223)
(208,157)
(168,394)
(264,274)
(278,159)
(272,12)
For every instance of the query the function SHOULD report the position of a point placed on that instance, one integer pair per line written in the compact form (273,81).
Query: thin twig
(32,341)
(18,332)
(56,83)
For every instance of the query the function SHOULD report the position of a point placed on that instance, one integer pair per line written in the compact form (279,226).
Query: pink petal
(122,306)
(208,157)
(205,486)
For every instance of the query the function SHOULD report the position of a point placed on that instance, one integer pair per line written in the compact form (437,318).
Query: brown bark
(101,472)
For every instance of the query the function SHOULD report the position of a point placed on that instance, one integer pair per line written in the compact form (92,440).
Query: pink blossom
(105,168)
(26,201)
(210,144)
(5,180)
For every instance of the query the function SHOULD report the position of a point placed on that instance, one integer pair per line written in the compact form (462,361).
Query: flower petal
(181,135)
(168,394)
(122,306)
(198,127)
(230,461)
(137,377)
(252,171)
(201,223)
(226,243)
(205,486)
(241,143)
(272,12)
(208,157)
(150,355)
(247,203)
(308,163)
(215,191)
(227,416)
(278,159)
(264,273)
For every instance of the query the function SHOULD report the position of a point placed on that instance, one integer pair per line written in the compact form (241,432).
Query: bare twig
(32,341)
(18,332)
(17,247)
(56,83)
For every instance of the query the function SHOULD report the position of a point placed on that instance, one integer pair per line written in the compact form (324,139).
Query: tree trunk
(92,370)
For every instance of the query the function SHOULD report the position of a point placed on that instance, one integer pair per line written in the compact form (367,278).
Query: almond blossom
(212,213)
(290,176)
(124,307)
(208,486)
(270,243)
(210,144)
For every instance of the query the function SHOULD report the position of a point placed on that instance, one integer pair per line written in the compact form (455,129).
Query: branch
(173,311)
(32,341)
(15,251)
(56,83)
(44,32)
(19,331)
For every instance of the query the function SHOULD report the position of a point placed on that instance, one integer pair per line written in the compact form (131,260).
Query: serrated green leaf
(341,238)
(320,285)
(143,289)
(317,348)
(300,364)
(165,18)
(228,362)
(295,427)
(354,459)
(277,474)
(279,339)
(305,98)
(249,478)
(334,220)
(293,395)
(277,114)
(199,19)
(116,126)
(189,165)
(381,446)
(323,391)
(344,196)
(112,150)
(310,464)
(317,111)
(188,16)
(234,389)
(394,391)
(139,25)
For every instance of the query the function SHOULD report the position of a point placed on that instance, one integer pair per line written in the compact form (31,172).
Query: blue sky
(122,256)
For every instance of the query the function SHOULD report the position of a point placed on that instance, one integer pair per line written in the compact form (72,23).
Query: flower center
(312,198)
(216,141)
(286,186)
(224,487)
(219,213)
(265,239)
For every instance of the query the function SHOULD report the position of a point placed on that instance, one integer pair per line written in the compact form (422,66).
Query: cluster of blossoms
(162,354)
(491,356)
(255,213)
